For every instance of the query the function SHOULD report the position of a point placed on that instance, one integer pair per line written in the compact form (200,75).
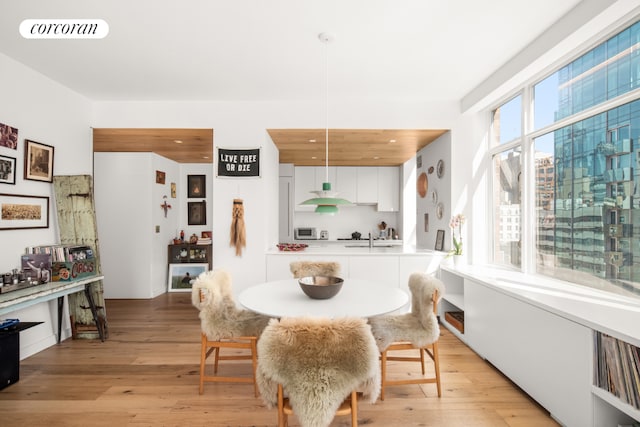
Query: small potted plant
(456,224)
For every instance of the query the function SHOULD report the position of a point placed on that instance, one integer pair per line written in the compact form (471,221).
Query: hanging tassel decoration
(238,234)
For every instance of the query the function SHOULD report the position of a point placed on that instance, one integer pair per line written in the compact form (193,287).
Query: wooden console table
(15,300)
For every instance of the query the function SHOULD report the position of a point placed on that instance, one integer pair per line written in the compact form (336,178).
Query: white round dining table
(357,298)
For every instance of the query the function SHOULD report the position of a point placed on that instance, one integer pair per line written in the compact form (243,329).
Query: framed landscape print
(197,213)
(181,276)
(7,170)
(196,186)
(18,211)
(38,161)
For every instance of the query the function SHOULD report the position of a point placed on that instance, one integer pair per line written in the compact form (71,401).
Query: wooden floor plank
(146,374)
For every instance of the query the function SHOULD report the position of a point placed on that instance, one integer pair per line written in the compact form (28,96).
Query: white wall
(244,125)
(440,149)
(46,112)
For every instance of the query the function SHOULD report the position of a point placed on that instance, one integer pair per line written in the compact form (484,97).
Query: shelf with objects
(185,253)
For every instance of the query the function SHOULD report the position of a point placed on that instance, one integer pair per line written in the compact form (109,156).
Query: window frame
(526,143)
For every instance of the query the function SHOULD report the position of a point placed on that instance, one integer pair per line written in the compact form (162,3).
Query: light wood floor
(146,374)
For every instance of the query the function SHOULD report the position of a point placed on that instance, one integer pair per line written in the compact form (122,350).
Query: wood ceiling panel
(351,147)
(196,144)
(347,147)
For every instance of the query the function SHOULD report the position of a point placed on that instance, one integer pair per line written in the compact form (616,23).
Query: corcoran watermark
(64,28)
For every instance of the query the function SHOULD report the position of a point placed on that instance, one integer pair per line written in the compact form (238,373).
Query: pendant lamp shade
(326,201)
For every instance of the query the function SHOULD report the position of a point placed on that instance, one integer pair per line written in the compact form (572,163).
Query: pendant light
(326,201)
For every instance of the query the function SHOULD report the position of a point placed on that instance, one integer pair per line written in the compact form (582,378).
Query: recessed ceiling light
(313,157)
(205,157)
(177,141)
(312,140)
(392,141)
(376,157)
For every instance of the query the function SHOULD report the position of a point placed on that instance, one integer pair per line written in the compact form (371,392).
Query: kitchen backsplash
(349,219)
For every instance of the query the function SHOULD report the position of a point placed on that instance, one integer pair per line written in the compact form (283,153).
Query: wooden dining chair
(322,366)
(417,330)
(314,268)
(225,326)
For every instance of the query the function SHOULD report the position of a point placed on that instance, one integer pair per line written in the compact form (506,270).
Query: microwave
(305,233)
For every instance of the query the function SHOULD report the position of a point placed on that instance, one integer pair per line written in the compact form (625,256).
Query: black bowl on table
(321,287)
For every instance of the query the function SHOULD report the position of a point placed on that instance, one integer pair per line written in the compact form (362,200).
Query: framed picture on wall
(439,240)
(182,275)
(18,211)
(38,161)
(7,170)
(197,213)
(196,186)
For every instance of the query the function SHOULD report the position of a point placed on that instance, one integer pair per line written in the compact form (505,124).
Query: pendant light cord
(326,134)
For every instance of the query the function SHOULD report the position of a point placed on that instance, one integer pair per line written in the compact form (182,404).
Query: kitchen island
(391,264)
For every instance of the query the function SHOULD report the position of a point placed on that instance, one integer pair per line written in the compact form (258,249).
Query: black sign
(238,162)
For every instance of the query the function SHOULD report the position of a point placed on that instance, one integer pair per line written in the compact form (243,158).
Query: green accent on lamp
(326,200)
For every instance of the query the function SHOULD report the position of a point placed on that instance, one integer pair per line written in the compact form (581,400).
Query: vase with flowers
(456,223)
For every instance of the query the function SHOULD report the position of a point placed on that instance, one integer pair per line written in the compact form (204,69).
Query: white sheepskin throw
(312,268)
(420,326)
(219,316)
(319,362)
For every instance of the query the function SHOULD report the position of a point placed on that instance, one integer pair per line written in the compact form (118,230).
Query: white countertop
(317,247)
(613,314)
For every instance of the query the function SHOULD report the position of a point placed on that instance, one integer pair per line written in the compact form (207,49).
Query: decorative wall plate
(423,185)
(434,197)
(439,210)
(430,170)
(440,168)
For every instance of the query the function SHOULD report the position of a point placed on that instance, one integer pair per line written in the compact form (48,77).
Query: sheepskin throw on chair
(319,362)
(314,268)
(220,318)
(420,326)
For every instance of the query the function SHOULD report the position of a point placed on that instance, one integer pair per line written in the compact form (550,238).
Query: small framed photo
(160,177)
(196,186)
(18,211)
(181,276)
(7,170)
(38,161)
(439,240)
(173,190)
(8,136)
(197,213)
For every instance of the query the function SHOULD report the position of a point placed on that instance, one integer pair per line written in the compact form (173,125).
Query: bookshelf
(616,373)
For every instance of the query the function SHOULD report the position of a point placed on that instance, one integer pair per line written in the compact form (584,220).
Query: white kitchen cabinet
(367,185)
(346,183)
(307,179)
(377,268)
(418,263)
(389,189)
(278,265)
(304,181)
(321,177)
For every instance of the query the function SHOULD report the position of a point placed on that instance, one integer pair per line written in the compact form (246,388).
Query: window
(586,183)
(605,72)
(507,190)
(507,121)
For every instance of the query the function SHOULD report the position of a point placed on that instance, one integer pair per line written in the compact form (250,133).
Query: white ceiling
(268,49)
